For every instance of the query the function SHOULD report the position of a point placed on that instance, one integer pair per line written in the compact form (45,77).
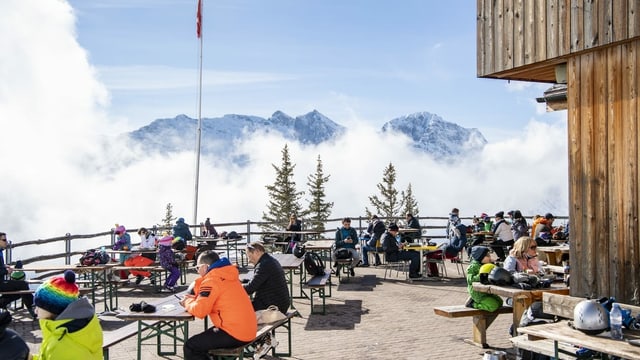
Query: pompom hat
(57,293)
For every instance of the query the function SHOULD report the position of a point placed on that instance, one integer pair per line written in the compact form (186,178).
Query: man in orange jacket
(219,294)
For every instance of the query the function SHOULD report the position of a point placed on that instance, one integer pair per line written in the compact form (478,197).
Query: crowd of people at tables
(71,329)
(504,231)
(219,293)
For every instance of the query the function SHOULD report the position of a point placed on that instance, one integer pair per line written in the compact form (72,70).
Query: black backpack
(313,264)
(342,254)
(94,257)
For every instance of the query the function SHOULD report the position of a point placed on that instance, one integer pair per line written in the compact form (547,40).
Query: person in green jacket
(490,302)
(70,327)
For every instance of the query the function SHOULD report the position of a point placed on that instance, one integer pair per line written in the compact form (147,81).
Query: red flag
(199,19)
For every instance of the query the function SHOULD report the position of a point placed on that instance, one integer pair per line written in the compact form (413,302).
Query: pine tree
(319,210)
(387,205)
(167,221)
(410,202)
(283,196)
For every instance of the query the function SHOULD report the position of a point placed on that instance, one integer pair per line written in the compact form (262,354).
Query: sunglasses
(3,240)
(533,247)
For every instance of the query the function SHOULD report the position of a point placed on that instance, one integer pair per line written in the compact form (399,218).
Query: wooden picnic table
(170,319)
(423,249)
(98,276)
(562,332)
(554,253)
(522,299)
(290,263)
(321,246)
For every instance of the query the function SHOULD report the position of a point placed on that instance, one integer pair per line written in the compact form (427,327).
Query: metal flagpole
(199,129)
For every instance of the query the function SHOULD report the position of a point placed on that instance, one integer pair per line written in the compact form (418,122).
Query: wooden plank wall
(515,33)
(604,180)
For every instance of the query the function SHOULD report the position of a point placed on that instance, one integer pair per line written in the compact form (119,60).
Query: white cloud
(58,177)
(166,77)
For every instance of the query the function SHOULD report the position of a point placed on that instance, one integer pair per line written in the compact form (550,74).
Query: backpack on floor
(313,264)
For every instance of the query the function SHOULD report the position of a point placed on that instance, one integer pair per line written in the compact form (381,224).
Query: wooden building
(594,47)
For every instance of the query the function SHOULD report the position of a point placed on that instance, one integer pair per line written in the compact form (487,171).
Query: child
(70,327)
(489,302)
(168,261)
(123,242)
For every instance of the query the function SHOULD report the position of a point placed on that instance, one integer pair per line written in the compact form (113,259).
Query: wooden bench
(317,285)
(110,338)
(544,347)
(343,269)
(481,320)
(263,329)
(561,306)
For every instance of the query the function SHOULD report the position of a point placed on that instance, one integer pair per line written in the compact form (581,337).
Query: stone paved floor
(367,318)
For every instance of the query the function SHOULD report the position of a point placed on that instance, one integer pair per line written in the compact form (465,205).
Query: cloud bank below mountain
(60,176)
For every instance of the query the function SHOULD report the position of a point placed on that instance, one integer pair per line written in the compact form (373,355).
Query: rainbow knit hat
(57,293)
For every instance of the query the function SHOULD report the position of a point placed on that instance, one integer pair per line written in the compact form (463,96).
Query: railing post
(248,231)
(9,253)
(67,249)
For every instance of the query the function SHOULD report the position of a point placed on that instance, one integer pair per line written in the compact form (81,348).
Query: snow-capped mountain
(435,136)
(429,132)
(178,134)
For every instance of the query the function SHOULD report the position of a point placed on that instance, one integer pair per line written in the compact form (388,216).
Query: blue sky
(75,76)
(351,60)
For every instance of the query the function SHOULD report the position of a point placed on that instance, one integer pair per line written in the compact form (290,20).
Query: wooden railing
(73,246)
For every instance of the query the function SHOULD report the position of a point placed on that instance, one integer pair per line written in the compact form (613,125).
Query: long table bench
(481,320)
(263,330)
(316,285)
(113,337)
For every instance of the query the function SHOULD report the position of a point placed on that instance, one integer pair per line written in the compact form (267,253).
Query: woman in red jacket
(220,295)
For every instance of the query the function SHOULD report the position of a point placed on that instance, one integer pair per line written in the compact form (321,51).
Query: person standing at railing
(123,242)
(7,284)
(181,229)
(168,261)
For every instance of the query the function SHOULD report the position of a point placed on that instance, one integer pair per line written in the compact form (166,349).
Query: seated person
(211,232)
(269,284)
(69,324)
(490,302)
(543,230)
(502,235)
(477,238)
(218,293)
(12,346)
(376,228)
(147,241)
(347,238)
(412,223)
(8,284)
(294,225)
(394,251)
(523,256)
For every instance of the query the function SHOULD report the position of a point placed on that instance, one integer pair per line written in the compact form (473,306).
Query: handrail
(253,229)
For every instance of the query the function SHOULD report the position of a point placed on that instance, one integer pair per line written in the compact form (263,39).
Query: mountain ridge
(428,132)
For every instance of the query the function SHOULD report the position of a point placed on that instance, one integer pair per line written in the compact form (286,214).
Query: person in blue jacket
(181,229)
(347,238)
